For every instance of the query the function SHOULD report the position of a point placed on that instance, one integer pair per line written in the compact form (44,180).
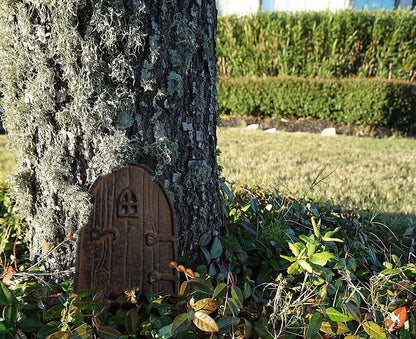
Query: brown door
(130,237)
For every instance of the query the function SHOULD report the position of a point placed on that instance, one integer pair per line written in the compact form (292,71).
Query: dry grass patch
(378,174)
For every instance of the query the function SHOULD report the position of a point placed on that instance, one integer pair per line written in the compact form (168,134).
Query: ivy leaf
(82,332)
(205,238)
(354,311)
(30,325)
(237,295)
(10,313)
(59,335)
(321,258)
(185,288)
(305,265)
(132,321)
(336,314)
(220,291)
(314,325)
(250,228)
(254,205)
(225,324)
(164,332)
(291,259)
(6,296)
(205,323)
(108,332)
(4,329)
(330,327)
(231,243)
(180,323)
(294,268)
(216,248)
(374,330)
(294,249)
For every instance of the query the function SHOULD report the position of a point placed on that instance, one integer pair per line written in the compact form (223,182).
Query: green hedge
(367,102)
(325,44)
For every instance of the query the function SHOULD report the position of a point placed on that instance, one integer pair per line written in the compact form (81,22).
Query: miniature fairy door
(130,238)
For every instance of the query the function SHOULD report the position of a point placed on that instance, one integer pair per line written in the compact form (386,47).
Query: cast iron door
(130,238)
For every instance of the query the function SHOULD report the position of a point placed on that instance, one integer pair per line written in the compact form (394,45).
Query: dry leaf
(396,319)
(206,305)
(45,246)
(8,278)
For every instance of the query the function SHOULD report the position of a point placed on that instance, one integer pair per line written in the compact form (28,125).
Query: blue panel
(387,4)
(267,5)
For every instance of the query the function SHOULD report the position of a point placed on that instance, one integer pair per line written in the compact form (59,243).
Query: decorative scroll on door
(130,238)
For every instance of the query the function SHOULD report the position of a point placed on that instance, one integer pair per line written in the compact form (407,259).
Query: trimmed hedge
(325,44)
(367,102)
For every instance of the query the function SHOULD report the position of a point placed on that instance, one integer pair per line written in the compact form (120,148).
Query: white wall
(311,5)
(239,7)
(243,7)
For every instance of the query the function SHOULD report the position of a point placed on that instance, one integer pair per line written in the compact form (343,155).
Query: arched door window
(128,205)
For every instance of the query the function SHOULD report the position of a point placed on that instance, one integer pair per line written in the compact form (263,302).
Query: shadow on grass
(397,220)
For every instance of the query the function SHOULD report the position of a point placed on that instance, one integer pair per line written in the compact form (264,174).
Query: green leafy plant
(311,255)
(244,286)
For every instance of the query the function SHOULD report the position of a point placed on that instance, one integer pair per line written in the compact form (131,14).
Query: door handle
(97,233)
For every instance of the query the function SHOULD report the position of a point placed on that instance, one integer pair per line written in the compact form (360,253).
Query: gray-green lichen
(199,174)
(92,85)
(68,95)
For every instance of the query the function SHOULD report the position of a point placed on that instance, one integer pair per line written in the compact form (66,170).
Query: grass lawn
(364,172)
(378,174)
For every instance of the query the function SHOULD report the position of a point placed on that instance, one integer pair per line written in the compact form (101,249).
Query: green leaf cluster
(283,268)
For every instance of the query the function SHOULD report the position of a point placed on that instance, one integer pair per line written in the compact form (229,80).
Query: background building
(244,7)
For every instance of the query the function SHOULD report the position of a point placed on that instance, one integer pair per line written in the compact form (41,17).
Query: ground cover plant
(284,268)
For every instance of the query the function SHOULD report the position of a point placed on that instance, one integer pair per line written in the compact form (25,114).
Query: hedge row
(367,102)
(325,44)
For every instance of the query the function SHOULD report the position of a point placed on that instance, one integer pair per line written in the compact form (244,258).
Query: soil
(311,126)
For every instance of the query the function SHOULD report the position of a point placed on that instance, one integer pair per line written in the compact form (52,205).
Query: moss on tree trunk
(90,86)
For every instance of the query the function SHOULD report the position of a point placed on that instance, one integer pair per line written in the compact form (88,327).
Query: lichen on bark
(92,85)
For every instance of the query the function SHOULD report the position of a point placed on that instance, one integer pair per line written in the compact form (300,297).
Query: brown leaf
(396,319)
(206,305)
(8,278)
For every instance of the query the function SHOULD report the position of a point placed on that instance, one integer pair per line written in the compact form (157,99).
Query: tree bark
(91,86)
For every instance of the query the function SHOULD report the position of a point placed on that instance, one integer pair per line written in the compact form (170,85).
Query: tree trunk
(91,86)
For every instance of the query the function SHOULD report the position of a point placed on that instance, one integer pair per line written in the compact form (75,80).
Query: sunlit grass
(7,161)
(378,174)
(359,172)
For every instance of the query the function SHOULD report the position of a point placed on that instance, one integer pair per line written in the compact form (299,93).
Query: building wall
(243,7)
(387,4)
(405,3)
(311,5)
(238,7)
